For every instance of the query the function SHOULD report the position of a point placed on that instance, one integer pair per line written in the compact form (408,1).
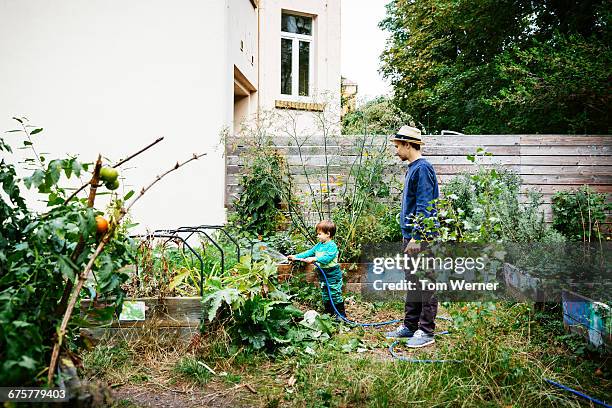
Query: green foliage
(556,86)
(258,209)
(367,211)
(500,66)
(579,214)
(501,345)
(377,223)
(483,206)
(106,356)
(309,295)
(168,268)
(255,312)
(376,117)
(37,260)
(193,369)
(276,246)
(264,320)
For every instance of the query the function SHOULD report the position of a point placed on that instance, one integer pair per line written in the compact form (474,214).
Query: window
(296,55)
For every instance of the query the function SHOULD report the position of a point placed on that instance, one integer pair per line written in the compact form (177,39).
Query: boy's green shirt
(326,254)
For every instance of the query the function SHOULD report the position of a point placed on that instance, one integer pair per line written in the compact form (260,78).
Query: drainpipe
(258,58)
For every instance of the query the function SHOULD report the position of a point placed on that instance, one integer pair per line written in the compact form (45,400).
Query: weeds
(504,361)
(164,267)
(106,356)
(193,369)
(113,362)
(506,349)
(258,314)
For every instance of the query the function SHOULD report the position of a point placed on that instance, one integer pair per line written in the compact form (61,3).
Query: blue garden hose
(345,319)
(429,361)
(578,393)
(393,353)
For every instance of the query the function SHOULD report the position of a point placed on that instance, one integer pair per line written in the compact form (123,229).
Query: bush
(579,214)
(258,209)
(255,312)
(378,116)
(376,224)
(41,256)
(484,206)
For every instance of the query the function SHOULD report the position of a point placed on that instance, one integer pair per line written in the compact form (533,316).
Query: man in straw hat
(420,188)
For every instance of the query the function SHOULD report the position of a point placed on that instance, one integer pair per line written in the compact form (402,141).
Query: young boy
(325,253)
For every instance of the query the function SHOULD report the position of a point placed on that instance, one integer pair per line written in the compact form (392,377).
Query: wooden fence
(546,163)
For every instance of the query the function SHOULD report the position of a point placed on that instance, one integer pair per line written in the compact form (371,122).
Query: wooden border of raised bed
(165,312)
(175,316)
(590,319)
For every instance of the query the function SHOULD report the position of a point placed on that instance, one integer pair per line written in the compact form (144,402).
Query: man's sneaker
(420,339)
(400,332)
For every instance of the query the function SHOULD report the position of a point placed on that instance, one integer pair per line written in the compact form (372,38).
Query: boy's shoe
(420,339)
(400,332)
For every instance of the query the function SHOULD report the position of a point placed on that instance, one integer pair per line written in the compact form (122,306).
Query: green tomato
(112,185)
(108,174)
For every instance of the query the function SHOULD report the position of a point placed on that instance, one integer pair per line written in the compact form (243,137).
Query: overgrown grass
(134,360)
(193,369)
(111,362)
(505,354)
(505,350)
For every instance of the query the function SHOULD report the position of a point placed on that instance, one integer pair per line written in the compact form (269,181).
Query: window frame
(295,62)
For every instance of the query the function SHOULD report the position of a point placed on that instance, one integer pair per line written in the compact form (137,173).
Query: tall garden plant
(579,215)
(351,189)
(48,258)
(484,206)
(41,256)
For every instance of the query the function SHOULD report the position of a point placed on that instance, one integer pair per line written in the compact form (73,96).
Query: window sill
(296,105)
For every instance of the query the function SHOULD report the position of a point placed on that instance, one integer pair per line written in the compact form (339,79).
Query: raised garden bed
(178,316)
(582,315)
(588,318)
(522,285)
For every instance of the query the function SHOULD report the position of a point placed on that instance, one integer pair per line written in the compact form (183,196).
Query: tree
(378,116)
(500,66)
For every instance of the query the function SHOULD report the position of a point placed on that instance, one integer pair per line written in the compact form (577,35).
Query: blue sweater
(420,188)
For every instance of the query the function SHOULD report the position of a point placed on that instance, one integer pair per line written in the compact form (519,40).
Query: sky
(362,44)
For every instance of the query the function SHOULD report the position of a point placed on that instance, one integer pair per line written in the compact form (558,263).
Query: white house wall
(242,51)
(243,27)
(111,76)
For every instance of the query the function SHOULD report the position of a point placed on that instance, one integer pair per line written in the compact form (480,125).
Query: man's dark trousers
(421,306)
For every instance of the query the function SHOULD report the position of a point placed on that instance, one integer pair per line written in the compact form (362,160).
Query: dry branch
(130,157)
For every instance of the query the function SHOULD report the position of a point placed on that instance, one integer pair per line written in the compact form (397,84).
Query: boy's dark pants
(421,306)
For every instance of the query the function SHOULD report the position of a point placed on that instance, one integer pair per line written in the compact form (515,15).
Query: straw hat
(408,134)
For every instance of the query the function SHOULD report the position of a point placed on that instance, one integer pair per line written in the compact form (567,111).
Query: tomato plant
(41,255)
